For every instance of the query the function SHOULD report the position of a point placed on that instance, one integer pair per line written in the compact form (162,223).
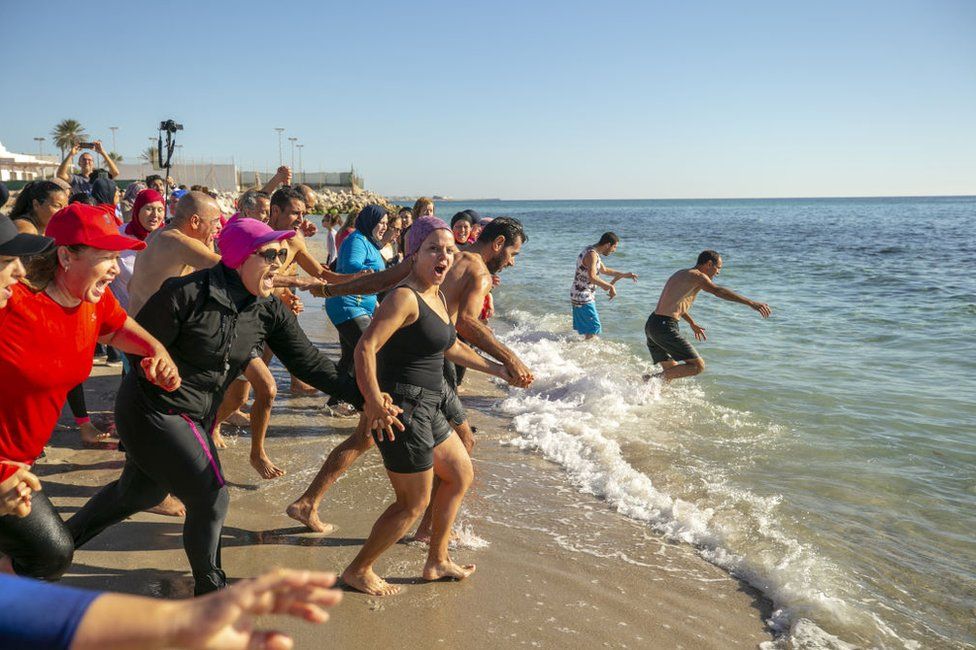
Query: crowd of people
(193,305)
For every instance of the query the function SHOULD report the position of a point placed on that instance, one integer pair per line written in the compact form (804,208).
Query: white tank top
(583,291)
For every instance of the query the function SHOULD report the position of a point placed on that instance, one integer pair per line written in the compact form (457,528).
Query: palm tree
(68,133)
(117,157)
(149,155)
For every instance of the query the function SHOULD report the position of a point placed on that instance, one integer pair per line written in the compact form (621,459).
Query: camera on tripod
(170,126)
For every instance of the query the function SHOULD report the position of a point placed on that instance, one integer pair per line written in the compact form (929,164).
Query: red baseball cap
(89,225)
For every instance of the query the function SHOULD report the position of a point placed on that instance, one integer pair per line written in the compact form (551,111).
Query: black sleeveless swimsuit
(411,369)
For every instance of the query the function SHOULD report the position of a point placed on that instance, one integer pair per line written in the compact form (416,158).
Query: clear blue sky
(521,99)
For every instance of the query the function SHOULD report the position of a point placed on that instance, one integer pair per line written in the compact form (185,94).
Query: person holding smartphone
(82,182)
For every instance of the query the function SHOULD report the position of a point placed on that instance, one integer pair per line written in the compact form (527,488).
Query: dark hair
(503,226)
(42,268)
(153,178)
(98,173)
(33,191)
(462,216)
(82,197)
(285,195)
(608,238)
(708,256)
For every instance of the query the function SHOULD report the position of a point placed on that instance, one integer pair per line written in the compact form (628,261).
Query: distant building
(21,166)
(335,181)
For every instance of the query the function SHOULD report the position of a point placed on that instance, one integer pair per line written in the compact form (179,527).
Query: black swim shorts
(412,449)
(451,404)
(665,341)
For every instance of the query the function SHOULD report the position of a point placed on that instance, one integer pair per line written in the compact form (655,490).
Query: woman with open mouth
(402,354)
(49,333)
(212,321)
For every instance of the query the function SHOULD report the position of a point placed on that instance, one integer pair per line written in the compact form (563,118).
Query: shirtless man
(668,347)
(468,282)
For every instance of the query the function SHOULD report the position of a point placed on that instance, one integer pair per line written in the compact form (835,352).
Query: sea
(827,455)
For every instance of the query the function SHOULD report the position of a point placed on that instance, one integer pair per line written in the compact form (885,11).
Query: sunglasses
(271,255)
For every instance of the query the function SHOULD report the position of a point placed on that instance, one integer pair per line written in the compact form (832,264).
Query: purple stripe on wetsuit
(206,448)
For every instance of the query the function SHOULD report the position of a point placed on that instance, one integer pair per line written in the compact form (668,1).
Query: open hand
(226,619)
(699,332)
(612,292)
(762,308)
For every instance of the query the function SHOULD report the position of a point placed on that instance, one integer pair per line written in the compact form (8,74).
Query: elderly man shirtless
(668,347)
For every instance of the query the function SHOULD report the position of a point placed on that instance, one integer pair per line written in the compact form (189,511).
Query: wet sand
(555,568)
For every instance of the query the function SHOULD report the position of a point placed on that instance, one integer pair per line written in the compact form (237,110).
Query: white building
(21,166)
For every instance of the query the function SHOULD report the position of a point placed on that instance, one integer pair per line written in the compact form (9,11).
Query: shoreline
(542,579)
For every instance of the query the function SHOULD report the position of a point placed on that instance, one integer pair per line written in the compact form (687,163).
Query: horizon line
(711,198)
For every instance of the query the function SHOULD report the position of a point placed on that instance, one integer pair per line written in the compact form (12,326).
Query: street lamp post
(301,166)
(293,141)
(40,152)
(113,129)
(280,130)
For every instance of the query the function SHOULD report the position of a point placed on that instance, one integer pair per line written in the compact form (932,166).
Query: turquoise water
(827,455)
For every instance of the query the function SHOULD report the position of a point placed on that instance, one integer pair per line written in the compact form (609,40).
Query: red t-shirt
(345,232)
(45,351)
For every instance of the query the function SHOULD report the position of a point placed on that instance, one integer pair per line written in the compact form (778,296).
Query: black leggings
(166,453)
(39,545)
(350,332)
(76,401)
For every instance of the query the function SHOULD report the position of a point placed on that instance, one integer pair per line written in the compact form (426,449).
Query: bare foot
(238,419)
(299,387)
(304,513)
(369,583)
(170,506)
(446,571)
(342,410)
(218,439)
(265,467)
(92,438)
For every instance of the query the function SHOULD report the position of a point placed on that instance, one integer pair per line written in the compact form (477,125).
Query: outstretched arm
(727,294)
(224,619)
(470,326)
(370,283)
(113,171)
(64,169)
(463,354)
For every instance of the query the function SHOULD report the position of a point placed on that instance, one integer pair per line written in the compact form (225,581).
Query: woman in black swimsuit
(402,354)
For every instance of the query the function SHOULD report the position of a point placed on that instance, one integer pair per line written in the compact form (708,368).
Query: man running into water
(668,347)
(589,267)
(467,283)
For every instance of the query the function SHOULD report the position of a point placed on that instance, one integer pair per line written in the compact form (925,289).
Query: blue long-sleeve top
(356,254)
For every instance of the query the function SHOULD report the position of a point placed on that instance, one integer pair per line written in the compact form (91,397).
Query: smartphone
(86,145)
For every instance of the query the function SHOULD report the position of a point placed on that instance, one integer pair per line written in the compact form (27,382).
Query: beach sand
(555,568)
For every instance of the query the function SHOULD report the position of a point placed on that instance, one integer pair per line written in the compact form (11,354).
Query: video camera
(169,126)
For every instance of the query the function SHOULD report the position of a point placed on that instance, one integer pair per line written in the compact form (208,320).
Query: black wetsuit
(410,367)
(211,326)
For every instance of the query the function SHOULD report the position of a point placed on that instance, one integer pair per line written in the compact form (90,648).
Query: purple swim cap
(420,229)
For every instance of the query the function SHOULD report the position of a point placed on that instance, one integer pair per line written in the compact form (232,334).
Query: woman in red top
(49,334)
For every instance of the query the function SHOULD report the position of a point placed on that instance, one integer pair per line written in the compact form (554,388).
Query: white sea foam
(587,399)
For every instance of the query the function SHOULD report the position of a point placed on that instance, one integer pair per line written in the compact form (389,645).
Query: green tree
(149,155)
(117,157)
(68,133)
